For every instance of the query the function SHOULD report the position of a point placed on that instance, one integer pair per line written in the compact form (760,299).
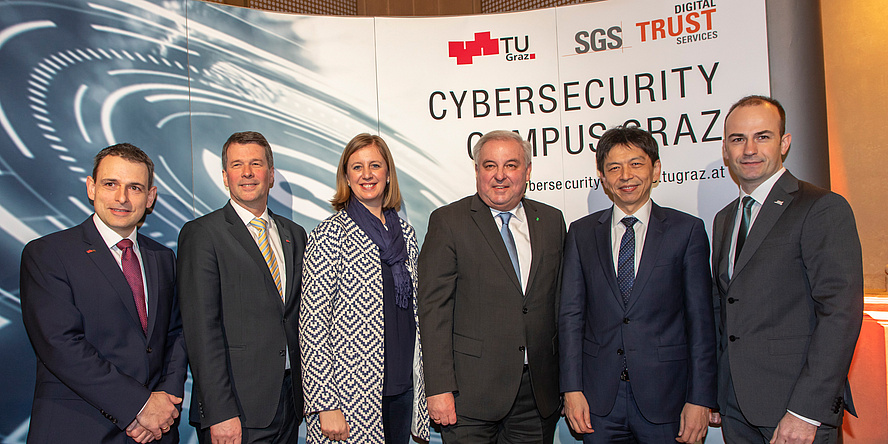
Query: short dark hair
(755,100)
(626,136)
(246,138)
(129,152)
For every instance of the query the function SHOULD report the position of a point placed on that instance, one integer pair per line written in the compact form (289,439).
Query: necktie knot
(124,244)
(747,203)
(505,216)
(259,223)
(629,221)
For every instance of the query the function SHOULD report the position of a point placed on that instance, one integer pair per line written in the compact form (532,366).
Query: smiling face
(501,174)
(248,176)
(753,147)
(628,176)
(367,174)
(120,193)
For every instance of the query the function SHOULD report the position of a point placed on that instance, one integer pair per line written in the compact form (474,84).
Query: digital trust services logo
(514,48)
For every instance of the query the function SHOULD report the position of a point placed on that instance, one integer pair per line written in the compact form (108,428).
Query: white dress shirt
(521,233)
(617,229)
(274,239)
(111,239)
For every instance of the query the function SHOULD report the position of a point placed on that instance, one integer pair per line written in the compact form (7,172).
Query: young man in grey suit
(489,285)
(788,283)
(99,304)
(240,277)
(636,322)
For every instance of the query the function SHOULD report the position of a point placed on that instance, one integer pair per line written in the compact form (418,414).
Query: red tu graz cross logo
(482,45)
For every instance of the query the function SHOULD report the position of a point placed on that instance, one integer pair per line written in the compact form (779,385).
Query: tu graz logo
(514,48)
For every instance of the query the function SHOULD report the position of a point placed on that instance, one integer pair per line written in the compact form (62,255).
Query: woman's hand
(333,425)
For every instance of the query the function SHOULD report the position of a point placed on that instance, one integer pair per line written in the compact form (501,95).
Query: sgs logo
(599,40)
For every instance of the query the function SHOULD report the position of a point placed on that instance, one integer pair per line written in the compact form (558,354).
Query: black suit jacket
(236,326)
(791,312)
(666,332)
(474,318)
(95,366)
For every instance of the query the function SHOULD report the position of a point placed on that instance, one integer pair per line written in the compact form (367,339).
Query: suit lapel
(605,253)
(149,259)
(242,235)
(653,239)
(772,208)
(535,228)
(100,255)
(723,232)
(484,221)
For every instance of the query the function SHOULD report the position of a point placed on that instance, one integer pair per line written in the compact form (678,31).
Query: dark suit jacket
(95,366)
(236,327)
(791,314)
(666,332)
(474,319)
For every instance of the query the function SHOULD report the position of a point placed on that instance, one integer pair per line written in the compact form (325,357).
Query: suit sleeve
(571,316)
(699,319)
(201,306)
(321,275)
(175,361)
(57,333)
(832,257)
(435,304)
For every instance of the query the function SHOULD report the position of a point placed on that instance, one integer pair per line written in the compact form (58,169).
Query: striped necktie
(267,253)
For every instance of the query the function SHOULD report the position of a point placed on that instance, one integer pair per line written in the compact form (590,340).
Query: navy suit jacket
(95,366)
(666,332)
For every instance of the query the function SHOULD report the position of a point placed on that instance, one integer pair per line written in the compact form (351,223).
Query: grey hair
(503,135)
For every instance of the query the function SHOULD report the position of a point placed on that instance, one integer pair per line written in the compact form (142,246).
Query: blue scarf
(392,248)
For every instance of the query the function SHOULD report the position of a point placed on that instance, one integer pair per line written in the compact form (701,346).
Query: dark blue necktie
(626,259)
(509,240)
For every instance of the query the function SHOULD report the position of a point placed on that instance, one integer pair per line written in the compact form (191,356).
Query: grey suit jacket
(791,313)
(474,319)
(236,327)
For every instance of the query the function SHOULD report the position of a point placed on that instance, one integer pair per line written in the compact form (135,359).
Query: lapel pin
(287,240)
(90,251)
(538,219)
(778,202)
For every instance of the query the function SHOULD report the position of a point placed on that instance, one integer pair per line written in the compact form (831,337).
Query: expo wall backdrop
(176,77)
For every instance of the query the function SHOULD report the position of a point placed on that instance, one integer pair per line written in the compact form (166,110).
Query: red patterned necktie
(133,273)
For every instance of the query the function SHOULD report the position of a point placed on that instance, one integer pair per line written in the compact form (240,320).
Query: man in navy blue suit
(99,305)
(636,322)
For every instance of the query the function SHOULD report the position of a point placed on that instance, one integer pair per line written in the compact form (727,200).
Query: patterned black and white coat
(341,331)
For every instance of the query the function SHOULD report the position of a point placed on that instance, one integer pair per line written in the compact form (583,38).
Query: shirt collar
(109,236)
(245,215)
(760,194)
(643,214)
(517,212)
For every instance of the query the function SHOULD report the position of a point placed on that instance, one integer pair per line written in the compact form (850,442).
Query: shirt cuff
(808,420)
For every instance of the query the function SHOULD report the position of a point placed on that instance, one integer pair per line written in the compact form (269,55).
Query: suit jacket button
(731,300)
(620,351)
(625,320)
(521,348)
(148,350)
(733,338)
(524,310)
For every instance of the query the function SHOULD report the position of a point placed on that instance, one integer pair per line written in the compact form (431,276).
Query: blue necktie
(509,240)
(626,259)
